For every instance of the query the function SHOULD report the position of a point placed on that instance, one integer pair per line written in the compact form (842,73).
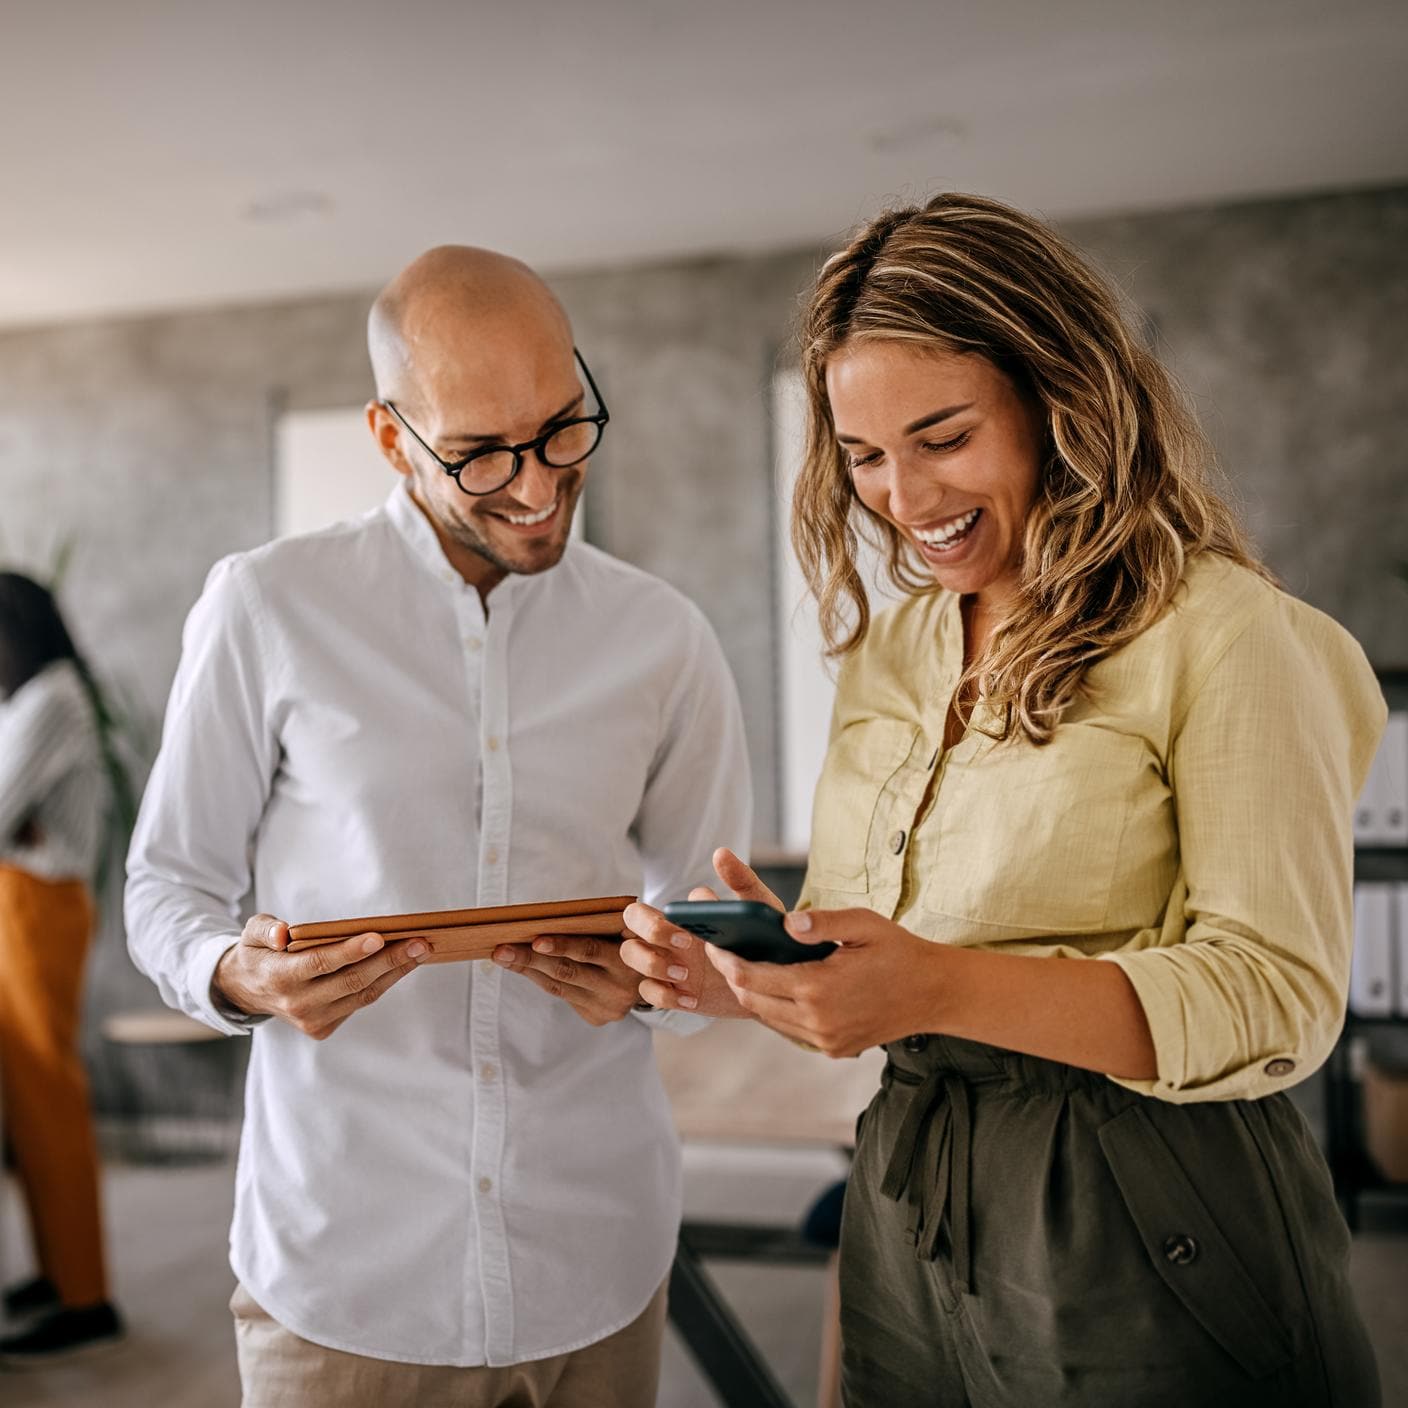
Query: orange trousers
(45,928)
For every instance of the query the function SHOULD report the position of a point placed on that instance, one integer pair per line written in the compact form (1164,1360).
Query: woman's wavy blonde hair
(1122,501)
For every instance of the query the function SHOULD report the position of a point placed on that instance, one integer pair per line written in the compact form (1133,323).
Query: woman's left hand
(881,984)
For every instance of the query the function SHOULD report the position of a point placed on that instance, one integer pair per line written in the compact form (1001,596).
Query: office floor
(168,1235)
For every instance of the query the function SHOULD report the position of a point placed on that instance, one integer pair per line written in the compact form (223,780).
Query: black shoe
(62,1331)
(26,1298)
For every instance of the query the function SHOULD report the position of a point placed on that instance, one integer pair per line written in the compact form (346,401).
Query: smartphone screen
(751,930)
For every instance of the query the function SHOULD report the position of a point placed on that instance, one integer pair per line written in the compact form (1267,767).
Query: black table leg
(1340,1152)
(716,1340)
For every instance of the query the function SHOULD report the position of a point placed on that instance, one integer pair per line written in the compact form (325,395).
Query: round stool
(164,1051)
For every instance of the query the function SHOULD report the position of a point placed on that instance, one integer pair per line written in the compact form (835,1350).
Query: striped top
(51,774)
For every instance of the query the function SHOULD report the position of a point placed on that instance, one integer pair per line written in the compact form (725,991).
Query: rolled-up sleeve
(1244,985)
(188,867)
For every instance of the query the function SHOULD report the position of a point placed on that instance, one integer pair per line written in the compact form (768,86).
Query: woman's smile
(946,541)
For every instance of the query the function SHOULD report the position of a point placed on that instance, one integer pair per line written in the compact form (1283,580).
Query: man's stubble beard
(465,534)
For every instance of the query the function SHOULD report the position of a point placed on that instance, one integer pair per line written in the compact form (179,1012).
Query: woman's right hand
(673,963)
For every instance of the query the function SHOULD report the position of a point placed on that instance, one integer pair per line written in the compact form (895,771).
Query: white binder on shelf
(1401,947)
(1371,979)
(1393,755)
(1369,819)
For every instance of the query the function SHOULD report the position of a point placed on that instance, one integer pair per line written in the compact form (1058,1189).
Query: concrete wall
(1287,320)
(149,440)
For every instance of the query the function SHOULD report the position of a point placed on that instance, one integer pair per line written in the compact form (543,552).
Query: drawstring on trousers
(938,1122)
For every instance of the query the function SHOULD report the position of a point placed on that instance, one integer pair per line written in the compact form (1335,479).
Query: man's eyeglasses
(493,467)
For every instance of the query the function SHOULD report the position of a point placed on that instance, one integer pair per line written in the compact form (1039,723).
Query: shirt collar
(414,527)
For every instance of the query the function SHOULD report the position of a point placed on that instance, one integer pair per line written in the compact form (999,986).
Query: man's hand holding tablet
(314,976)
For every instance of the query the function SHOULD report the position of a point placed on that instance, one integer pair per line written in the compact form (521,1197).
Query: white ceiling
(157,155)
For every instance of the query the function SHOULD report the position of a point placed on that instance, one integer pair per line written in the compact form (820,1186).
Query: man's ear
(387,435)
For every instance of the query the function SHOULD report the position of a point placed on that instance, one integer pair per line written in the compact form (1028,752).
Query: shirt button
(1180,1249)
(472,642)
(1281,1066)
(486,1185)
(488,1070)
(897,842)
(915,1043)
(491,856)
(493,743)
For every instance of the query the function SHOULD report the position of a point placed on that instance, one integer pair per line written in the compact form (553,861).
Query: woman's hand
(673,963)
(881,983)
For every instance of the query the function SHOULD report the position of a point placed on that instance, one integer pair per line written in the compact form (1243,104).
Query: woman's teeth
(947,535)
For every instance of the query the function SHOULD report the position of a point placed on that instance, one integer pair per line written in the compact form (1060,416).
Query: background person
(53,794)
(460,1186)
(1083,833)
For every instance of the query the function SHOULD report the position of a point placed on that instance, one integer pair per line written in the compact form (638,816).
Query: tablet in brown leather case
(455,934)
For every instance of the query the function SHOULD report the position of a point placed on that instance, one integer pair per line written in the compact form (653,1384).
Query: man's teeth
(527,520)
(947,532)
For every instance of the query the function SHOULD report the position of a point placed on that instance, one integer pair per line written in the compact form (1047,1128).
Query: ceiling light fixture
(285,207)
(920,132)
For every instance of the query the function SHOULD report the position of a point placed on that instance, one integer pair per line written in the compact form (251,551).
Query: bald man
(459,1185)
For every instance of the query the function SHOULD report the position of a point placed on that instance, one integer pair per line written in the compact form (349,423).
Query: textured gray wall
(1287,321)
(149,440)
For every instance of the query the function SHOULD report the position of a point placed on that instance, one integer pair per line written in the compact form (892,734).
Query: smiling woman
(1081,843)
(1083,653)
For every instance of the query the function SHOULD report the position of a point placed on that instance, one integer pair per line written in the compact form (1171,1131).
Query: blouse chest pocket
(1026,838)
(860,763)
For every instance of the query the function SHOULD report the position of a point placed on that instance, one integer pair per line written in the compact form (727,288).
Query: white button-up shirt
(465,1172)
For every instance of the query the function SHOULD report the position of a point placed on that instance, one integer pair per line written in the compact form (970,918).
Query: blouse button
(897,842)
(1180,1249)
(1281,1066)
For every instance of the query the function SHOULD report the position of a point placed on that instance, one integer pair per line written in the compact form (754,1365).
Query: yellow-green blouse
(1190,819)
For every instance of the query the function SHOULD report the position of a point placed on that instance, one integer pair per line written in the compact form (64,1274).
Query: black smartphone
(746,927)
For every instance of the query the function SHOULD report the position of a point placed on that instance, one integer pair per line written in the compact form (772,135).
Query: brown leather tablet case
(455,934)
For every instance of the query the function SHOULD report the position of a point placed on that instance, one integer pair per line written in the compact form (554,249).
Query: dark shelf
(1380,864)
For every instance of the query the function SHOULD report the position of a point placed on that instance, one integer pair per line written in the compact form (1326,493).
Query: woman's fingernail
(689,1002)
(542,945)
(417,949)
(679,940)
(502,955)
(371,943)
(677,972)
(799,922)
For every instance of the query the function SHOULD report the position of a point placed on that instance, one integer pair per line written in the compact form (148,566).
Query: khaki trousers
(280,1370)
(45,927)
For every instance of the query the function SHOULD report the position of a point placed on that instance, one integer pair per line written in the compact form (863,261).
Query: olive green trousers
(1022,1234)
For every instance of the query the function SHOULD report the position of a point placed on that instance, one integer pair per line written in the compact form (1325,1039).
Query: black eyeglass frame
(454,468)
